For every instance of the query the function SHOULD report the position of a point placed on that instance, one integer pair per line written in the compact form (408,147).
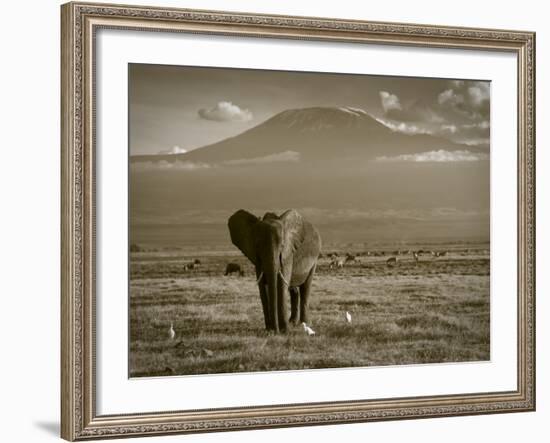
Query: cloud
(471,134)
(475,141)
(469,99)
(458,112)
(450,97)
(418,111)
(226,112)
(418,128)
(174,150)
(474,134)
(164,165)
(282,157)
(389,101)
(439,156)
(449,128)
(480,125)
(479,94)
(178,165)
(404,127)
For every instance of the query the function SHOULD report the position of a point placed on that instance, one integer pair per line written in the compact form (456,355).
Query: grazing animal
(308,330)
(171,332)
(197,262)
(188,266)
(439,253)
(337,262)
(391,261)
(234,268)
(348,317)
(284,250)
(351,258)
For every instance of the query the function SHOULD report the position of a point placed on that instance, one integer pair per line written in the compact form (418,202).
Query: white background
(29,228)
(118,394)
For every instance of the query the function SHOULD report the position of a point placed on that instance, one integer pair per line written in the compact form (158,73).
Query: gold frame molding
(79,22)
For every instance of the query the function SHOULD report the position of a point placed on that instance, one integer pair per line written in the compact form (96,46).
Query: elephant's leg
(294,301)
(305,289)
(265,308)
(282,293)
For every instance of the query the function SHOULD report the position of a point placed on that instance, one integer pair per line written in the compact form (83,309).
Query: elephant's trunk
(259,279)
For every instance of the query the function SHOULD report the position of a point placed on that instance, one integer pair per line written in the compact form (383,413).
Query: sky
(175,109)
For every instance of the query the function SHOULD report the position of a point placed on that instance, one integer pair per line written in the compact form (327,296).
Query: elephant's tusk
(283,278)
(260,278)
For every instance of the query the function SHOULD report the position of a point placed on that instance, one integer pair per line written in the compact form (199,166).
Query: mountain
(321,133)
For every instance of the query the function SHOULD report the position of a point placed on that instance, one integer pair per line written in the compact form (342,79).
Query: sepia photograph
(284,220)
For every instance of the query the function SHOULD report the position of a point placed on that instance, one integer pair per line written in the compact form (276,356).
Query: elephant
(234,267)
(284,250)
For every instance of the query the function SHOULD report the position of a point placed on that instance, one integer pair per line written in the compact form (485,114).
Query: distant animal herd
(336,260)
(192,265)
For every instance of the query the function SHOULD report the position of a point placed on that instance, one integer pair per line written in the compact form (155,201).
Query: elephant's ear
(241,228)
(294,230)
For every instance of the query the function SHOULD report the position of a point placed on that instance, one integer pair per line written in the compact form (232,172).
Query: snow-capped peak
(313,119)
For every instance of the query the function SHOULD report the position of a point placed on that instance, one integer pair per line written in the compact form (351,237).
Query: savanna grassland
(431,311)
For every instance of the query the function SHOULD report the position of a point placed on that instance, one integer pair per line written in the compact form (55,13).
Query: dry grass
(434,311)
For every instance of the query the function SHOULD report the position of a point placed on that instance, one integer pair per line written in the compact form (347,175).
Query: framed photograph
(277,221)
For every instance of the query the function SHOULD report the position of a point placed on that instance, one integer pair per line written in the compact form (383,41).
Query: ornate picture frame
(80,23)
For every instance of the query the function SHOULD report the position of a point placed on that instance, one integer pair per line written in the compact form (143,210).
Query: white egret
(308,330)
(348,317)
(171,332)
